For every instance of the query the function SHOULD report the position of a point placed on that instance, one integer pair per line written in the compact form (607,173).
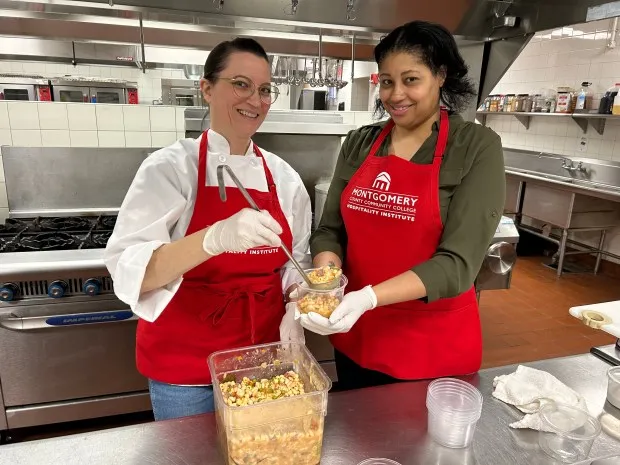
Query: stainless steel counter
(388,421)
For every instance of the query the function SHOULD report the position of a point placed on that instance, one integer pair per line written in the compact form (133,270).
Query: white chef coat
(159,205)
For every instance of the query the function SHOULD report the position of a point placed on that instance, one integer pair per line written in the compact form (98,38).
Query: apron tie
(228,297)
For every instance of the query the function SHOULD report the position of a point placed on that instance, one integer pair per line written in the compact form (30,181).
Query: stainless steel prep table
(388,421)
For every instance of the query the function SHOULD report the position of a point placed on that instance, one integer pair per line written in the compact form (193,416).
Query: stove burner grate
(47,241)
(74,223)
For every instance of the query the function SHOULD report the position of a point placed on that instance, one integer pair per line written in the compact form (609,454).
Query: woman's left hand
(352,307)
(290,329)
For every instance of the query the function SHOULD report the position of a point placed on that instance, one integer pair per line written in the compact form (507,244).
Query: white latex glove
(290,329)
(353,306)
(242,231)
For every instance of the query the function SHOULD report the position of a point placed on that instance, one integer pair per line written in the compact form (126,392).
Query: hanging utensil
(222,189)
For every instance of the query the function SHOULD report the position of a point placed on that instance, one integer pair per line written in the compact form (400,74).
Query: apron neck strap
(202,162)
(442,139)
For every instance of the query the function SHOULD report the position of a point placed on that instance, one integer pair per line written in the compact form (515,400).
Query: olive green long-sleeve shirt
(472,187)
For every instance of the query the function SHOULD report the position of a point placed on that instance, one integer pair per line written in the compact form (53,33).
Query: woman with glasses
(205,275)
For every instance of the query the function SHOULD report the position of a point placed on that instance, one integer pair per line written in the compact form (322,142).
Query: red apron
(232,300)
(392,216)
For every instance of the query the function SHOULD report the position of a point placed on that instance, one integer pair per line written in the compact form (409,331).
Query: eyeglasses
(244,88)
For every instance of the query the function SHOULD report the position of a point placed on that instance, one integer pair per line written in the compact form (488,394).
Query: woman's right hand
(242,231)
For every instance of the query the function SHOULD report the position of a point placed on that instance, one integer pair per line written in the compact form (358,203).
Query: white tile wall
(162,139)
(137,139)
(5,137)
(111,138)
(136,118)
(55,138)
(26,137)
(53,116)
(163,119)
(4,116)
(23,115)
(82,116)
(110,118)
(84,139)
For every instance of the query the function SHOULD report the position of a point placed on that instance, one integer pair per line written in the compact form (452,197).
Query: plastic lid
(614,374)
(569,422)
(378,462)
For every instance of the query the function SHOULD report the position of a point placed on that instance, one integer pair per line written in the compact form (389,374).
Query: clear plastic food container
(323,302)
(574,431)
(613,386)
(287,431)
(454,408)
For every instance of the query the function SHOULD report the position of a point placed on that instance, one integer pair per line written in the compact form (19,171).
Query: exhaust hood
(490,33)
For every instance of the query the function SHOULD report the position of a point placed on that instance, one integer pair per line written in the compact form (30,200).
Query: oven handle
(58,321)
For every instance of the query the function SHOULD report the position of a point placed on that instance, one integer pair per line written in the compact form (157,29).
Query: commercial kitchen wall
(564,57)
(51,124)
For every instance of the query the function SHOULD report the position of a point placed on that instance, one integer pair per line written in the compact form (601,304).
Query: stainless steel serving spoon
(222,188)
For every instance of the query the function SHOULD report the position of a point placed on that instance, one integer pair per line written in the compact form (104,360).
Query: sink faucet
(567,163)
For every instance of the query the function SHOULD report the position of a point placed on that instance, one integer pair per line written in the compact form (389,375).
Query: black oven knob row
(8,292)
(57,289)
(91,287)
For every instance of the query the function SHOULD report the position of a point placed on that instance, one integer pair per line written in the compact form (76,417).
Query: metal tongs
(222,188)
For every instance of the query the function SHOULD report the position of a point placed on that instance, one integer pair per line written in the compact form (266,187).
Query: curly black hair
(437,48)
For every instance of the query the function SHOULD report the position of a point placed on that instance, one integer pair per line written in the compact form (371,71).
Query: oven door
(70,94)
(107,95)
(184,97)
(17,92)
(67,351)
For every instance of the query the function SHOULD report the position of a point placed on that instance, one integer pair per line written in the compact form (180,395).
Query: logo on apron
(382,181)
(377,200)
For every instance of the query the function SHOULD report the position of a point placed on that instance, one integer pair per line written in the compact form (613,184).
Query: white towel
(529,390)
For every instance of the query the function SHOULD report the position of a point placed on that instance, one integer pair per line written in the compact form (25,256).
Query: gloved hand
(290,329)
(353,306)
(242,231)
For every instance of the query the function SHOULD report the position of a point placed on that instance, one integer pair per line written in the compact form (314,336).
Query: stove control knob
(92,287)
(8,292)
(57,289)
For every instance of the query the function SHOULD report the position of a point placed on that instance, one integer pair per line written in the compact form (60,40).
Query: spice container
(286,431)
(566,100)
(520,103)
(509,103)
(501,103)
(584,98)
(494,103)
(538,103)
(529,103)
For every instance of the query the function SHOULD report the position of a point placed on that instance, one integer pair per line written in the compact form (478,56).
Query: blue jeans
(170,401)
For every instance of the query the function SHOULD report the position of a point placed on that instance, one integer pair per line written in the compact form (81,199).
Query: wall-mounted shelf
(595,120)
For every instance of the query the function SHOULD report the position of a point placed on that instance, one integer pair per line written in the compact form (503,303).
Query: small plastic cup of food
(320,301)
(325,277)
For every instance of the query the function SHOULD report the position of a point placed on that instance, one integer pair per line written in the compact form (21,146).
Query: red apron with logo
(232,300)
(391,212)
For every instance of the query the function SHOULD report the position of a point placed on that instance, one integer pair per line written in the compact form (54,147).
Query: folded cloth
(529,390)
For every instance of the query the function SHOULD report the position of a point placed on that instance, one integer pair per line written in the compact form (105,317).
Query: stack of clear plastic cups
(454,408)
(378,462)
